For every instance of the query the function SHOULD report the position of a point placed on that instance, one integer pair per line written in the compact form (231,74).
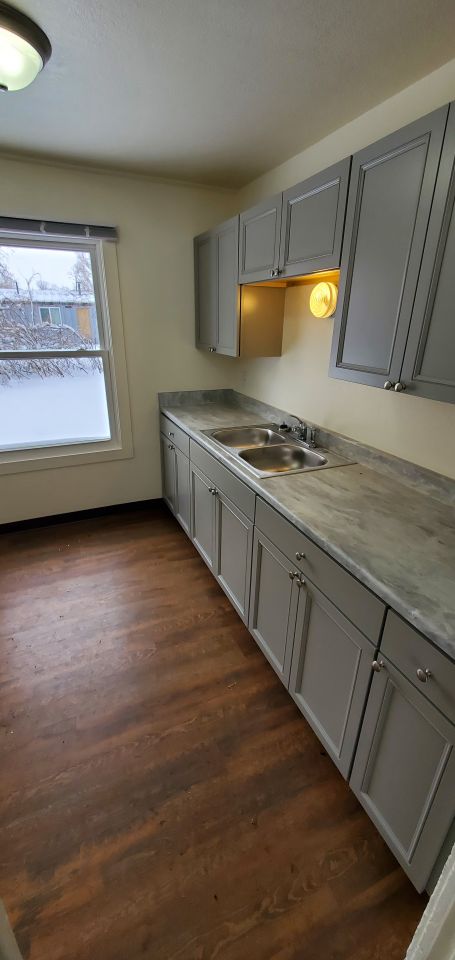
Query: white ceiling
(215,90)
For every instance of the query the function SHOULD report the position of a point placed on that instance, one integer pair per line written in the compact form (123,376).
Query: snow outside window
(56,368)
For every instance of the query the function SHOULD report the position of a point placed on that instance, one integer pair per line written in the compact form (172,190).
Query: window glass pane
(42,289)
(52,401)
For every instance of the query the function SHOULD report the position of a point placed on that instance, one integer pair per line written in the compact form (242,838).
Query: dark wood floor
(161,796)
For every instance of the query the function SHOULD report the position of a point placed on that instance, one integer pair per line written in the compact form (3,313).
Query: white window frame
(111,352)
(49,307)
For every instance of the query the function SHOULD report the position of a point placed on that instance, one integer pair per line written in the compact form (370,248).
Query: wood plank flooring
(161,796)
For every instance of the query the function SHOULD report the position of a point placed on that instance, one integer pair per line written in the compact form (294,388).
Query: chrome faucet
(301,431)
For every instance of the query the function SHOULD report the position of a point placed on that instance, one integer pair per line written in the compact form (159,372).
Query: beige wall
(418,430)
(156,223)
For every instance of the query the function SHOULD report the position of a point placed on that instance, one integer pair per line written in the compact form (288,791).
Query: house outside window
(58,391)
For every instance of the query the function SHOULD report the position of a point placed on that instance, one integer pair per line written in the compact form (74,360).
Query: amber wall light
(323,299)
(24,49)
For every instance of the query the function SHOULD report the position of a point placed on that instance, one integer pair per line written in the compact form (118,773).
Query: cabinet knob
(378,665)
(213,491)
(292,574)
(388,385)
(171,446)
(300,582)
(423,675)
(170,434)
(399,387)
(299,556)
(212,349)
(272,273)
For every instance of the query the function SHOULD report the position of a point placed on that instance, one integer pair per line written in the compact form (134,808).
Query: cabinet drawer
(238,492)
(354,600)
(410,651)
(178,437)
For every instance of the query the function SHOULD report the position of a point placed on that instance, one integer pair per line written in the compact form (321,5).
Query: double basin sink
(266,451)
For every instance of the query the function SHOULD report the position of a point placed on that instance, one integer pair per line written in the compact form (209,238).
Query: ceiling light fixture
(24,49)
(323,299)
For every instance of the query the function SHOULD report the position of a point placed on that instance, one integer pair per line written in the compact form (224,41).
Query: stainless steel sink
(267,451)
(243,438)
(283,458)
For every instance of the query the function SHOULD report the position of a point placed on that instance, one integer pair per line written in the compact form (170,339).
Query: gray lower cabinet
(389,203)
(312,222)
(429,360)
(176,481)
(182,490)
(233,546)
(217,295)
(404,771)
(273,604)
(259,241)
(330,673)
(202,514)
(223,534)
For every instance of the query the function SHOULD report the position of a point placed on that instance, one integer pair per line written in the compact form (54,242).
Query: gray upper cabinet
(390,195)
(404,770)
(259,241)
(217,296)
(312,222)
(429,362)
(330,673)
(206,290)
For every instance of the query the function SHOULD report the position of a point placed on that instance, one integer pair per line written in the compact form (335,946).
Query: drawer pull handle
(423,675)
(170,433)
(378,665)
(299,556)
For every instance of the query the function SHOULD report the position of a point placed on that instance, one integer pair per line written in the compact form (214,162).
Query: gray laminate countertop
(396,540)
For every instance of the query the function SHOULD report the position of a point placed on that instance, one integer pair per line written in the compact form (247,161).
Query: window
(51,315)
(57,386)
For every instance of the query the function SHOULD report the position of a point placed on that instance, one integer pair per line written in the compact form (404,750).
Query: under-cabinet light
(323,299)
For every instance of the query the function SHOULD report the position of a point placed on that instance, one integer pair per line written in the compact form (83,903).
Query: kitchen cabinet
(273,604)
(259,241)
(168,471)
(389,203)
(176,481)
(206,290)
(233,320)
(312,222)
(330,673)
(429,360)
(404,771)
(233,546)
(202,515)
(217,295)
(220,529)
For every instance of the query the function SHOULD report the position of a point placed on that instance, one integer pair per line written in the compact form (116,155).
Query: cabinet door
(228,288)
(313,221)
(233,546)
(182,489)
(202,515)
(168,471)
(206,290)
(429,362)
(273,604)
(259,246)
(404,771)
(390,195)
(330,674)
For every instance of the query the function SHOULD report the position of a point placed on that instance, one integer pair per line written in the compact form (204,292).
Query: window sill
(48,458)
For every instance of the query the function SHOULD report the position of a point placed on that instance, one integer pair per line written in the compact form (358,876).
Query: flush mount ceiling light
(323,299)
(24,49)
